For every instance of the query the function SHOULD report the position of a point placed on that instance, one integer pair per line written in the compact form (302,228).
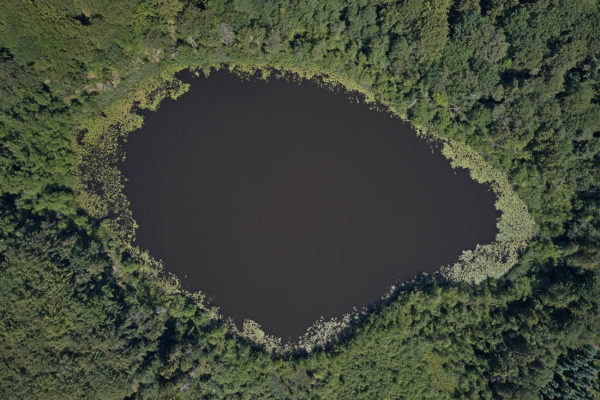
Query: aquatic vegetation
(85,315)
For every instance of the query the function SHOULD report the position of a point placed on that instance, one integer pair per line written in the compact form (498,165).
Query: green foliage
(512,84)
(577,375)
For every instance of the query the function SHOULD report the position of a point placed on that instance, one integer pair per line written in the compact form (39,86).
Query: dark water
(285,203)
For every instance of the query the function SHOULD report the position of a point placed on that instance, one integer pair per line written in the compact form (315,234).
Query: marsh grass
(516,226)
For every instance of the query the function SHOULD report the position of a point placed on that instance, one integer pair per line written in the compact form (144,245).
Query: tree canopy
(84,314)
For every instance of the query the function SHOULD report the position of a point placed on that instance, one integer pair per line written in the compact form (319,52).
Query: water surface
(286,202)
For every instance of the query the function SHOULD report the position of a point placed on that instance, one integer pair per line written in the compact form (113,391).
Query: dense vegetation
(575,376)
(85,315)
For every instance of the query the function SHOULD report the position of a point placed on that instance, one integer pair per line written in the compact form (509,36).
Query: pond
(284,202)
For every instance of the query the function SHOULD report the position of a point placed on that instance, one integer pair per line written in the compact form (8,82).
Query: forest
(86,315)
